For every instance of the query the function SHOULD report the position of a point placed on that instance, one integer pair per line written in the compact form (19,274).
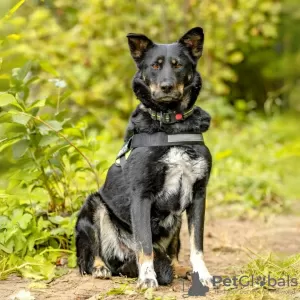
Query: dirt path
(228,244)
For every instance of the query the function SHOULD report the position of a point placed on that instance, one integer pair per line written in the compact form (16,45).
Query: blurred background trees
(250,56)
(65,97)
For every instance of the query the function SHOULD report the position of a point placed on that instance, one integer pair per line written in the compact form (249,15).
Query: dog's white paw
(205,278)
(101,272)
(147,276)
(147,283)
(200,267)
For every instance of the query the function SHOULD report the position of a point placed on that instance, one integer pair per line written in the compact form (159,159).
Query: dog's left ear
(193,40)
(138,45)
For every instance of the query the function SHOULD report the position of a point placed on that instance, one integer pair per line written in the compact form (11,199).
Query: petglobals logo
(246,281)
(198,289)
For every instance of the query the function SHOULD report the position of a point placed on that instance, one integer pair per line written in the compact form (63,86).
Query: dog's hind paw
(101,272)
(147,283)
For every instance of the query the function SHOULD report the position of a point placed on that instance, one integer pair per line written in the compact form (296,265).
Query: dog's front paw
(147,283)
(101,272)
(200,269)
(206,279)
(147,276)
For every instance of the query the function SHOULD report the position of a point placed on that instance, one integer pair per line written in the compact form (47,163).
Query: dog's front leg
(196,216)
(141,226)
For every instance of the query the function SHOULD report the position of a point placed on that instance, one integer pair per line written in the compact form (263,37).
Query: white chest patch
(182,173)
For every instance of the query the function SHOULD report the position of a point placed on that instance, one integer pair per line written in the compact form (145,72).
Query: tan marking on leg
(98,262)
(180,270)
(147,275)
(142,257)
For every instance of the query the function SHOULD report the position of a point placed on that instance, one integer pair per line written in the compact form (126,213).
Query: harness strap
(163,139)
(155,140)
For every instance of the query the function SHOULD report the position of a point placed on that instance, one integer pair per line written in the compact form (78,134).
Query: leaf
(45,65)
(8,250)
(65,96)
(149,294)
(37,285)
(21,119)
(61,271)
(72,261)
(3,221)
(269,30)
(20,242)
(6,99)
(25,220)
(235,57)
(19,74)
(118,290)
(57,219)
(48,140)
(20,148)
(8,142)
(44,129)
(38,103)
(58,231)
(223,154)
(14,36)
(13,9)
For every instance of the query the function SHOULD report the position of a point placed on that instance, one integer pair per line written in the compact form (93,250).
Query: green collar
(169,117)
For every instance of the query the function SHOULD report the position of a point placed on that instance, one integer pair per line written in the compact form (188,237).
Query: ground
(229,244)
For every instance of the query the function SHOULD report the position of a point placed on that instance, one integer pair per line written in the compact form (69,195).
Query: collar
(169,117)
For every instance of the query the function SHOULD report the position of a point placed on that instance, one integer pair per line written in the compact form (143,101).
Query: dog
(131,226)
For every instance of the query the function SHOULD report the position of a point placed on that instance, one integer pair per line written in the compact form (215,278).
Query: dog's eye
(155,66)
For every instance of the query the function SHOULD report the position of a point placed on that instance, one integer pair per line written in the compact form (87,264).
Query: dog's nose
(166,87)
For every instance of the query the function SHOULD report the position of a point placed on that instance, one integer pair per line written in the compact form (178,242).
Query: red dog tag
(178,117)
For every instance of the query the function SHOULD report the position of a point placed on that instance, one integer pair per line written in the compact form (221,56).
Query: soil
(229,244)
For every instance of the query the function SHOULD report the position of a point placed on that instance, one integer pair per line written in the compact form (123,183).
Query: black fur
(132,206)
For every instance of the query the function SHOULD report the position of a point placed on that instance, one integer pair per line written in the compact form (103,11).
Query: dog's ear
(138,45)
(193,40)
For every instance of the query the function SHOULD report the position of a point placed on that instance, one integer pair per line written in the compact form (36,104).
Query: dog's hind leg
(100,270)
(173,252)
(85,244)
(163,268)
(87,241)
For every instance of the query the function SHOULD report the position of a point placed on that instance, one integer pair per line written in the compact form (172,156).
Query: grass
(277,269)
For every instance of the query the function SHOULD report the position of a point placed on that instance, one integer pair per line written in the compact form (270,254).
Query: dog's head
(167,78)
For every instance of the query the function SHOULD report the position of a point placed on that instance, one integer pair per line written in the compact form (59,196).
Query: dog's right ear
(138,45)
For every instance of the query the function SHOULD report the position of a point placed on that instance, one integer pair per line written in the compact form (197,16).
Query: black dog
(131,226)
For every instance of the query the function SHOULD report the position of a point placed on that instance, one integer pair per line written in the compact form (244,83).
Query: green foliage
(85,44)
(46,167)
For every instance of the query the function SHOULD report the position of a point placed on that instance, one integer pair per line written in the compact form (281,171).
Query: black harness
(160,138)
(155,140)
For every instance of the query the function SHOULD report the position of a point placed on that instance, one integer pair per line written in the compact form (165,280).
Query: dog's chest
(182,172)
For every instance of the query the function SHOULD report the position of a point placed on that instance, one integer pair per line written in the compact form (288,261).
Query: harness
(159,138)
